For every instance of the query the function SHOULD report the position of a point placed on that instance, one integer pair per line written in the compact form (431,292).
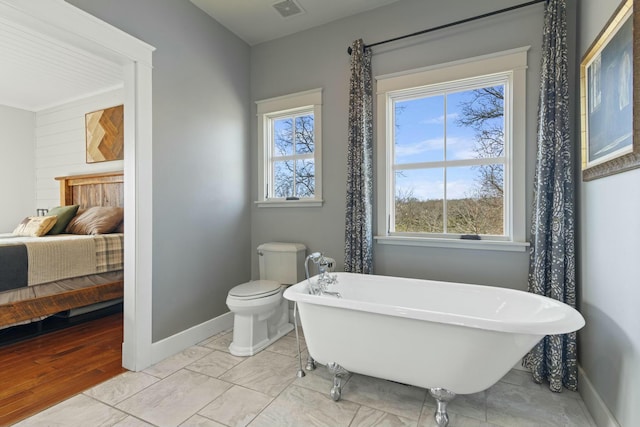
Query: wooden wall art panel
(105,134)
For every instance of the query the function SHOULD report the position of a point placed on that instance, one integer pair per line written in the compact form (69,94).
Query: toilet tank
(282,262)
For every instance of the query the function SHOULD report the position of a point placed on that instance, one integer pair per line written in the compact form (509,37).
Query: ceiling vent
(288,8)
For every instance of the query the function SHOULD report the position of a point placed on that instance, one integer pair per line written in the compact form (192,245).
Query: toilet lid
(256,288)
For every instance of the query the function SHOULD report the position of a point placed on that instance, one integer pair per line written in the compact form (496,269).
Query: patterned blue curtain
(552,257)
(358,256)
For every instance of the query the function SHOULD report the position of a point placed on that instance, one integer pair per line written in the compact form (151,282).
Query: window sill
(491,245)
(289,203)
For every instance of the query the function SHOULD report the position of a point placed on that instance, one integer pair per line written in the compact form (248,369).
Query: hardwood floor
(48,369)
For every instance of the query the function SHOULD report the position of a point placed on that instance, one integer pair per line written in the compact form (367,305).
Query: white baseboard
(594,403)
(182,340)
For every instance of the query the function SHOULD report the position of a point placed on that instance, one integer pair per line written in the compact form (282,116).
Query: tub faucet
(315,257)
(324,278)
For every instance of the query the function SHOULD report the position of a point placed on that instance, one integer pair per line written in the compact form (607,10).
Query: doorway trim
(72,26)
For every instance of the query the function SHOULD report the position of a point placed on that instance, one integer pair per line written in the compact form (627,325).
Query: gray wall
(17,166)
(609,224)
(201,225)
(318,58)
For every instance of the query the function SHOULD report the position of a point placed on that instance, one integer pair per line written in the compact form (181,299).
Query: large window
(290,140)
(453,141)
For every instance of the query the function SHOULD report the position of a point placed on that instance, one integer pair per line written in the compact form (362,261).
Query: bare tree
(294,135)
(484,113)
(414,215)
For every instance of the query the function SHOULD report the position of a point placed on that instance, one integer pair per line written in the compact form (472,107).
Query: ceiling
(257,21)
(38,72)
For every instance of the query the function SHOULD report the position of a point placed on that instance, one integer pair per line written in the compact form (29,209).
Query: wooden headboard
(96,189)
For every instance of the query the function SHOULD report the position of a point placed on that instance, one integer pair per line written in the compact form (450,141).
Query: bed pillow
(65,214)
(35,226)
(96,220)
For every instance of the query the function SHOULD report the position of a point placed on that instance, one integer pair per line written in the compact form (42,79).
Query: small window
(451,142)
(289,130)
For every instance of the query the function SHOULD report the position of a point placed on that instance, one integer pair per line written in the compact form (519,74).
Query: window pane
(283,179)
(305,178)
(419,195)
(475,199)
(475,123)
(283,137)
(304,134)
(419,130)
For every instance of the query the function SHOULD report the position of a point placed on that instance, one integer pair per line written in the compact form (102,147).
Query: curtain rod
(451,24)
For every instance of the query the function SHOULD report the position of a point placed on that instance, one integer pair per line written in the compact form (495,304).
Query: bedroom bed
(65,271)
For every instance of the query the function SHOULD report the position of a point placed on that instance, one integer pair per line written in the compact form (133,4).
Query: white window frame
(510,65)
(276,108)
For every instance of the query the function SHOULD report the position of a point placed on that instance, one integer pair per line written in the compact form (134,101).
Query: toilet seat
(255,289)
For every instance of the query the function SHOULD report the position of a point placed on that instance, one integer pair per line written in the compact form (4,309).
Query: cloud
(461,188)
(420,147)
(457,148)
(440,119)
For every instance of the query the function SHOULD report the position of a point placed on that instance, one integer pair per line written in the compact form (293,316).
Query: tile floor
(205,386)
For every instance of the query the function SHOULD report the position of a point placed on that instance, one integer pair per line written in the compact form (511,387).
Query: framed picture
(609,80)
(105,134)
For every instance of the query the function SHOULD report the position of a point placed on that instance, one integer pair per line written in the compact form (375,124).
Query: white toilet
(261,314)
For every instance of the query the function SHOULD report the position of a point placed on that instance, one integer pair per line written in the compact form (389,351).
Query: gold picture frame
(609,89)
(105,134)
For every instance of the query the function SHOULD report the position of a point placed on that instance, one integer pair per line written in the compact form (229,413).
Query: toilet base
(258,323)
(239,350)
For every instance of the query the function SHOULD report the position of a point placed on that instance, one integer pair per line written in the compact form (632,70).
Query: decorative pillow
(35,226)
(96,220)
(65,214)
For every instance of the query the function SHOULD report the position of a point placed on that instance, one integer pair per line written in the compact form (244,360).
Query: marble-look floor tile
(221,342)
(455,420)
(287,346)
(76,412)
(200,421)
(468,405)
(525,379)
(237,406)
(172,400)
(204,343)
(292,334)
(132,422)
(509,405)
(369,417)
(521,378)
(178,361)
(399,399)
(215,363)
(587,414)
(320,380)
(297,406)
(121,387)
(266,372)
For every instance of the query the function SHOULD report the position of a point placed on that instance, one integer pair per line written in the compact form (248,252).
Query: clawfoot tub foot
(337,371)
(443,397)
(311,364)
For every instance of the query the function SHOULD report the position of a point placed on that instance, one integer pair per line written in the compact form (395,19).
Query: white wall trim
(594,403)
(178,342)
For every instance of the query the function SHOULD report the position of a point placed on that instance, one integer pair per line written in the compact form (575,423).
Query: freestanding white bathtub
(450,338)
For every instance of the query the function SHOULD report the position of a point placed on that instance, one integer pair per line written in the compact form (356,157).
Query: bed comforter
(28,261)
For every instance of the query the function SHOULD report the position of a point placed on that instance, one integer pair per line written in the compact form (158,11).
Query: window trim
(271,108)
(511,62)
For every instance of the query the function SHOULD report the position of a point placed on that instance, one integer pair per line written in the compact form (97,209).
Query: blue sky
(419,137)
